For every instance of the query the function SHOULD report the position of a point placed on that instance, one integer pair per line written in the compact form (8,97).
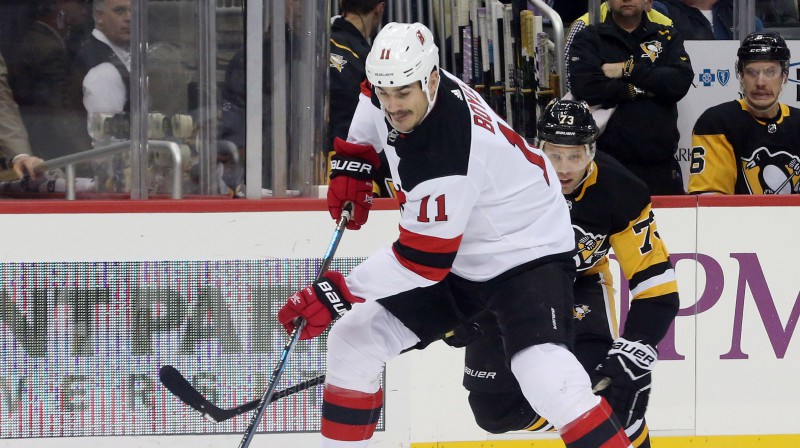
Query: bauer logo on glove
(351,180)
(642,354)
(351,167)
(337,305)
(623,378)
(319,304)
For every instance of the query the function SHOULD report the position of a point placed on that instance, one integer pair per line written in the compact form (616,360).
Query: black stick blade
(176,383)
(172,379)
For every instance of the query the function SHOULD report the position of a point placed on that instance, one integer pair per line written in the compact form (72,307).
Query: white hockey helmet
(402,54)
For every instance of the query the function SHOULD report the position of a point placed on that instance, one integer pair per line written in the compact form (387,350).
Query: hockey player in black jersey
(483,227)
(750,145)
(609,208)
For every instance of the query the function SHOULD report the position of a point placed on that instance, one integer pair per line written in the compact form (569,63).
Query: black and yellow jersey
(611,210)
(734,152)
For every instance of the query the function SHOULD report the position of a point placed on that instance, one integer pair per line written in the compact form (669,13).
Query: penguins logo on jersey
(589,248)
(580,311)
(338,62)
(768,173)
(651,49)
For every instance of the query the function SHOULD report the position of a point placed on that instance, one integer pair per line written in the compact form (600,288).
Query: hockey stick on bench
(176,383)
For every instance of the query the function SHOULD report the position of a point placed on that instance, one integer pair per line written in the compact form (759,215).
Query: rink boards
(105,293)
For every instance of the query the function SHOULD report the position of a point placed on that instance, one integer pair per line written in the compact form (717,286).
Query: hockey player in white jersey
(483,226)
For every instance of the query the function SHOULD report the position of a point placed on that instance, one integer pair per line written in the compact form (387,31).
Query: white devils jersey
(475,199)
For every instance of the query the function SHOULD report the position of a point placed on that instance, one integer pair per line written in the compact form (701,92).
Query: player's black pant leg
(533,304)
(433,311)
(494,395)
(529,305)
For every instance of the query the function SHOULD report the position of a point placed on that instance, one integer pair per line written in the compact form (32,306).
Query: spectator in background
(349,46)
(232,125)
(44,83)
(570,10)
(750,145)
(703,19)
(655,15)
(233,117)
(777,12)
(13,136)
(103,62)
(642,69)
(359,21)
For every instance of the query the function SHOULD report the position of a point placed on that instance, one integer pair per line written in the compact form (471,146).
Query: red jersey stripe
(427,243)
(431,273)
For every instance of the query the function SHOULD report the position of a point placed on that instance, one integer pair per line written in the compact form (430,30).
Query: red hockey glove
(624,378)
(352,170)
(319,304)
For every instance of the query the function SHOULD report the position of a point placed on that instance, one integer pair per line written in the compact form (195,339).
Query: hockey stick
(789,179)
(298,328)
(176,383)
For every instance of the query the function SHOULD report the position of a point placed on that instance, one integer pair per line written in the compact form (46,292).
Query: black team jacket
(643,130)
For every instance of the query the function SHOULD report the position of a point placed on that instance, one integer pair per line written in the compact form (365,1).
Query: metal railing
(68,163)
(558,40)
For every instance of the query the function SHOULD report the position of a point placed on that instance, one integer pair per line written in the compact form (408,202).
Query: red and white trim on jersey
(429,256)
(366,88)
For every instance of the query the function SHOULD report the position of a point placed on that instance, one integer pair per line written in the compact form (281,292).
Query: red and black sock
(350,415)
(596,428)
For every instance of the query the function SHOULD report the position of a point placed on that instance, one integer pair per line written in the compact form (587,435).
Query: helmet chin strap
(588,172)
(589,168)
(431,99)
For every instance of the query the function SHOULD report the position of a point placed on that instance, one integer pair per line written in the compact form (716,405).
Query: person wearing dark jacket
(46,86)
(359,21)
(703,19)
(642,69)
